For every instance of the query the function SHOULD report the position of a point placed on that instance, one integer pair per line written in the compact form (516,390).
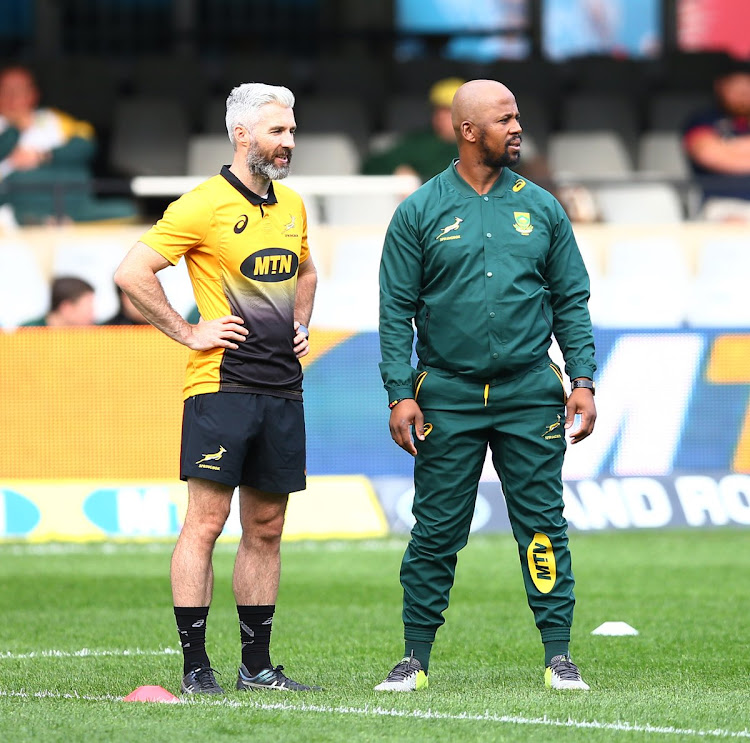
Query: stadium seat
(670,110)
(595,112)
(645,285)
(342,114)
(661,153)
(535,119)
(84,86)
(23,288)
(639,203)
(325,154)
(206,153)
(149,137)
(719,290)
(406,112)
(181,76)
(213,119)
(94,259)
(588,155)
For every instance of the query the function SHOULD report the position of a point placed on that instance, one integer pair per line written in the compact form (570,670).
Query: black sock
(191,626)
(255,634)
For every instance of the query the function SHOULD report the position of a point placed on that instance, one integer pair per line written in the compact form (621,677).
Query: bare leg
(258,564)
(192,572)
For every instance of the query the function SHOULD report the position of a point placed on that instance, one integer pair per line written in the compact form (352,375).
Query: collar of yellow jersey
(251,196)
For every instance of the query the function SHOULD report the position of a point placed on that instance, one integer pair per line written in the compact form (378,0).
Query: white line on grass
(85,653)
(367,711)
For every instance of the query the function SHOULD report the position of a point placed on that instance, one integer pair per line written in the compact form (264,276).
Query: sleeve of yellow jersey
(304,251)
(184,225)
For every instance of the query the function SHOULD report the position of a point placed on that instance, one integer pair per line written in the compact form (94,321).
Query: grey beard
(258,165)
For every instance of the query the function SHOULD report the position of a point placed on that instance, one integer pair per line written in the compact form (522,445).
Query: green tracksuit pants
(522,420)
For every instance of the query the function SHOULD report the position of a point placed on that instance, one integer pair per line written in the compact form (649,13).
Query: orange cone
(151,694)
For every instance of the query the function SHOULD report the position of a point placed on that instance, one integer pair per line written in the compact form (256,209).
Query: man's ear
(468,131)
(241,134)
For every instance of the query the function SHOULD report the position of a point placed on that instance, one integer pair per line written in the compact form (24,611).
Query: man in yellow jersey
(244,239)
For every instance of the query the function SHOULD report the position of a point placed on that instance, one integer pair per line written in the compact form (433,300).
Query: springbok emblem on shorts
(212,457)
(450,228)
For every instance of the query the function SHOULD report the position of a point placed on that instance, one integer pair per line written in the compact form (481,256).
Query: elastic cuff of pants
(555,634)
(419,634)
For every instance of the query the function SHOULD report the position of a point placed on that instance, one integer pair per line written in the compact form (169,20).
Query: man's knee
(265,529)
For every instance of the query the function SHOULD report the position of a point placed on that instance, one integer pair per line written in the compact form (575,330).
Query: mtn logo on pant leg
(541,560)
(270,264)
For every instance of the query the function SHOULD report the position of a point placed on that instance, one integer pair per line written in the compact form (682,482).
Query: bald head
(487,126)
(478,101)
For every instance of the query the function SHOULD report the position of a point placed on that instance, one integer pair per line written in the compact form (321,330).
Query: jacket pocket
(418,383)
(556,369)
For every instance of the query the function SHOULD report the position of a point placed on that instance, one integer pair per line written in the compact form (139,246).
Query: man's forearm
(305,297)
(147,294)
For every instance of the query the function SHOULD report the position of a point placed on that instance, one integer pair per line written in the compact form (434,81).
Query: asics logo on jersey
(215,457)
(241,224)
(450,228)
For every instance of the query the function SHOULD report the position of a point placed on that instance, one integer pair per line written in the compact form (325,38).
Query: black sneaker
(562,673)
(270,678)
(200,681)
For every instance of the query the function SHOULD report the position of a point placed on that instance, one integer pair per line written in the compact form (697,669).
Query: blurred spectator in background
(71,304)
(128,314)
(717,143)
(425,152)
(45,159)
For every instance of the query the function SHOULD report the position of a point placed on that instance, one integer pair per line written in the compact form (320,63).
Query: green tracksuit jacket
(487,280)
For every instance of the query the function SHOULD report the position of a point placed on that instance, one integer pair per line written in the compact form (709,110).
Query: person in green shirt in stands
(424,152)
(45,159)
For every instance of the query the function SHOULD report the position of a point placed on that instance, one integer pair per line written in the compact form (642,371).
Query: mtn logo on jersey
(270,264)
(450,228)
(523,223)
(541,560)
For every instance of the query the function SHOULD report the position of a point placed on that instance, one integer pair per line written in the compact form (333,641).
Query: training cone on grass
(151,694)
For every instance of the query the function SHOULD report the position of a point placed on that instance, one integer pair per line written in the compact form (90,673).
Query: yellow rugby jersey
(243,254)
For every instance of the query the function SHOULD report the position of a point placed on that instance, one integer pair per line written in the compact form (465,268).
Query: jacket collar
(499,187)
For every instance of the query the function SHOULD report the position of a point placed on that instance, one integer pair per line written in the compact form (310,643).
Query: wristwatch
(587,383)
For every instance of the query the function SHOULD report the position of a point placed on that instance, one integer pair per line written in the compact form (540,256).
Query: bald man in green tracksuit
(486,266)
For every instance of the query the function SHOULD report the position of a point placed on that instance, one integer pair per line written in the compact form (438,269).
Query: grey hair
(247,99)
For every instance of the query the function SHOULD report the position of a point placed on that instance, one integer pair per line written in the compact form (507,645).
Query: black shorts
(242,438)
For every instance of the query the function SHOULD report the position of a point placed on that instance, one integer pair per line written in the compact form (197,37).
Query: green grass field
(82,626)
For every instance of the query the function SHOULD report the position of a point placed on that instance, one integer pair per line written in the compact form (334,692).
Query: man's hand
(404,415)
(220,333)
(301,341)
(27,158)
(580,402)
